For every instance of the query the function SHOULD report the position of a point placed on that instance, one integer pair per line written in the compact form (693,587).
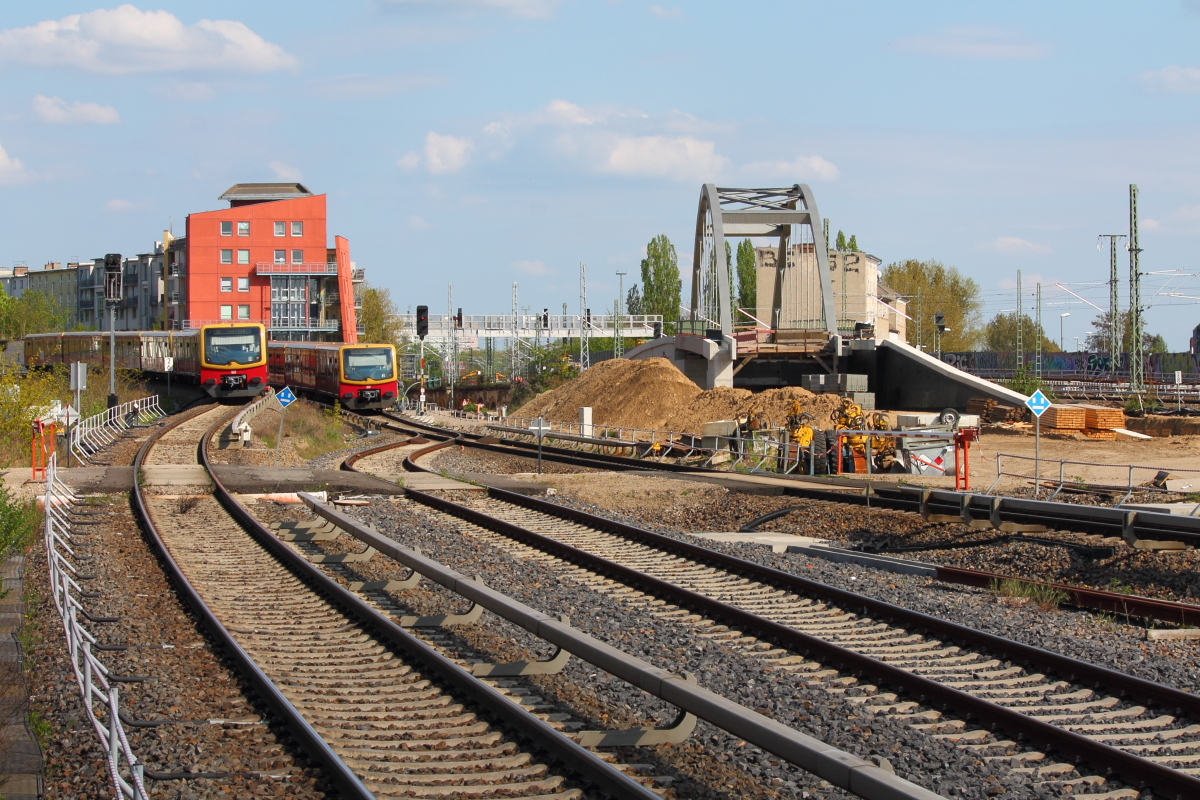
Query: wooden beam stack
(1094,422)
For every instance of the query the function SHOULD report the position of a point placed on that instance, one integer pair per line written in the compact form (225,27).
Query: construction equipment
(800,431)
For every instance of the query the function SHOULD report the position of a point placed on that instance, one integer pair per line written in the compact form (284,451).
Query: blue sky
(485,141)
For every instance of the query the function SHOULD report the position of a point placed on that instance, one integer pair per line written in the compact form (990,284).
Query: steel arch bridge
(802,297)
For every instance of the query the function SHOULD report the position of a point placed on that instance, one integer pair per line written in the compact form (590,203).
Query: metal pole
(112,357)
(1136,366)
(279,436)
(539,451)
(1037,455)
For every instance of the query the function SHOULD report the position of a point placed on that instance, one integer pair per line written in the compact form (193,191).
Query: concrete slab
(265,480)
(175,475)
(100,480)
(1183,509)
(508,483)
(778,542)
(426,482)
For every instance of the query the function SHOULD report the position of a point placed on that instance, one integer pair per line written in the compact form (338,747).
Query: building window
(243,229)
(281,229)
(226,284)
(226,312)
(243,256)
(226,256)
(227,229)
(243,312)
(281,256)
(243,284)
(297,256)
(297,229)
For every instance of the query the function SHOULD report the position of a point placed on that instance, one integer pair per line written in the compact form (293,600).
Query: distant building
(140,307)
(59,284)
(862,301)
(264,259)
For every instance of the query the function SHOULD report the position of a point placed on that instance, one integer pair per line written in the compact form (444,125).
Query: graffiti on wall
(1076,364)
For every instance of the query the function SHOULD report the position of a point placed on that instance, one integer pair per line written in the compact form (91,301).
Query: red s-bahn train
(230,360)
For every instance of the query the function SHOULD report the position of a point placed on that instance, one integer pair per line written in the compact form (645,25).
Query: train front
(368,377)
(233,360)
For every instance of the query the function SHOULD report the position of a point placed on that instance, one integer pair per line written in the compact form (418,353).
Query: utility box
(585,420)
(715,435)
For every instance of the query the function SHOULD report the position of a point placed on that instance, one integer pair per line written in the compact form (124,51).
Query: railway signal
(112,296)
(422,322)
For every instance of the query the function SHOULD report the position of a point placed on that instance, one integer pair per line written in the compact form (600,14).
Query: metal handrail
(307,268)
(1063,482)
(89,435)
(91,675)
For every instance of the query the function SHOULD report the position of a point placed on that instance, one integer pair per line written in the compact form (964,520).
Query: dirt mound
(632,394)
(653,394)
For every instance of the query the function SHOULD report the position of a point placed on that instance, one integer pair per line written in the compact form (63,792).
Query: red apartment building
(265,259)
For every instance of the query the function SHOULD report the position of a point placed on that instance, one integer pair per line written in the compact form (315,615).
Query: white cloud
(802,168)
(58,111)
(126,39)
(118,205)
(533,9)
(409,161)
(972,41)
(1189,212)
(666,13)
(285,172)
(445,153)
(679,157)
(1014,246)
(186,92)
(531,267)
(1149,224)
(1172,80)
(371,85)
(418,223)
(11,169)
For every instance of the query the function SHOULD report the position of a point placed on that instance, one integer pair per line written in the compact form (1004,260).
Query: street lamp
(1061,317)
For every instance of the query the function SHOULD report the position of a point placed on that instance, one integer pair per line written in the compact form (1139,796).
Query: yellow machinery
(799,426)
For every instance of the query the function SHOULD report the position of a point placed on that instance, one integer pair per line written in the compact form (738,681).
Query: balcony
(303,325)
(358,275)
(307,268)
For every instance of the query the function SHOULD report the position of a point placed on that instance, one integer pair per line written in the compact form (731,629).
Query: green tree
(379,318)
(729,271)
(1000,334)
(32,312)
(633,301)
(661,285)
(1097,338)
(943,289)
(747,296)
(841,242)
(852,245)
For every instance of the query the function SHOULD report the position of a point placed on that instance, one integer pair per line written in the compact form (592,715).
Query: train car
(362,377)
(227,360)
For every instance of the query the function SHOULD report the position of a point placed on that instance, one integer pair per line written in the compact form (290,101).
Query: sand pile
(631,394)
(653,394)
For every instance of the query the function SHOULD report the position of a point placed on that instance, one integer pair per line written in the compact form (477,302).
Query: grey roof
(265,191)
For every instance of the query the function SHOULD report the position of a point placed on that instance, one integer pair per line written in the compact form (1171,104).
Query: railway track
(1097,599)
(1141,529)
(383,713)
(983,692)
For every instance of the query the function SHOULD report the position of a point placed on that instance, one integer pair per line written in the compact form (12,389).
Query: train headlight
(347,395)
(389,394)
(210,381)
(256,379)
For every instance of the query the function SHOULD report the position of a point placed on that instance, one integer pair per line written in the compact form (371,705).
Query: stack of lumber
(990,410)
(1094,422)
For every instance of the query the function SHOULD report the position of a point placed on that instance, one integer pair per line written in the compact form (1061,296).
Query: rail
(100,430)
(840,768)
(1064,482)
(95,681)
(247,414)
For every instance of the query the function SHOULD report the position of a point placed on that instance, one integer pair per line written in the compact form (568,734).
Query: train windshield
(367,364)
(232,345)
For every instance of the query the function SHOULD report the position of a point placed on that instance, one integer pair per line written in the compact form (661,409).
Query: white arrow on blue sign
(1038,403)
(285,397)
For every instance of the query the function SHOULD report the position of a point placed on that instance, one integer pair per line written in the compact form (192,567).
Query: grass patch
(313,430)
(1042,595)
(40,729)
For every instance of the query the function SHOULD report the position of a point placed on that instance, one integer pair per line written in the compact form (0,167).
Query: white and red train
(234,360)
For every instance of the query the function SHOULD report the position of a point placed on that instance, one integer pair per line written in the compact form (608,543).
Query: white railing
(247,414)
(91,675)
(100,430)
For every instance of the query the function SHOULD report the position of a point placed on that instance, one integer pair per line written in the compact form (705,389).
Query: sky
(481,142)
